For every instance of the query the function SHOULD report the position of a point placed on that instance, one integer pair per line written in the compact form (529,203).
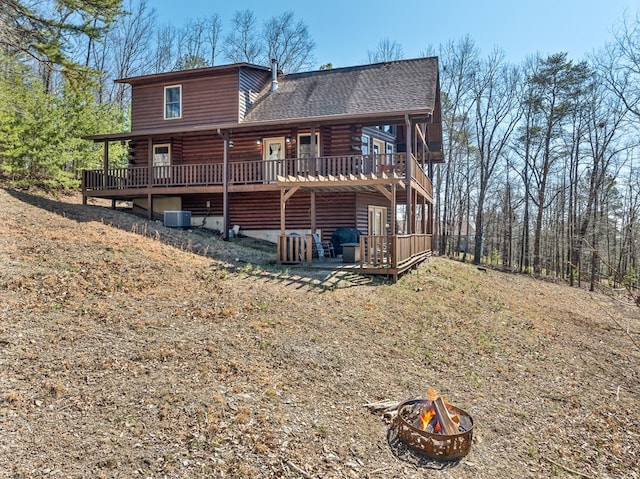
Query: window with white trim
(172,102)
(161,161)
(365,145)
(304,145)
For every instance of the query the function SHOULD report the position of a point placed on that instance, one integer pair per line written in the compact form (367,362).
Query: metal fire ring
(436,446)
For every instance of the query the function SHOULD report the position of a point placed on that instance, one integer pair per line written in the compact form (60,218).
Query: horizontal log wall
(209,148)
(261,210)
(204,100)
(364,200)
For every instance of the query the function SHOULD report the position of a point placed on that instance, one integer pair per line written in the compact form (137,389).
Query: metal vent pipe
(274,74)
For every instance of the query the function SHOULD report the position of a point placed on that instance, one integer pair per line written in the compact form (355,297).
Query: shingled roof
(403,86)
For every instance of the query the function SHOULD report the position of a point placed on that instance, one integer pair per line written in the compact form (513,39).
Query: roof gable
(377,89)
(181,75)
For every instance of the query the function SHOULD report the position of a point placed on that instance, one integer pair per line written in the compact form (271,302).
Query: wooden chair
(322,249)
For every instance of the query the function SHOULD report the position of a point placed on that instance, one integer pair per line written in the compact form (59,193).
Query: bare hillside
(131,350)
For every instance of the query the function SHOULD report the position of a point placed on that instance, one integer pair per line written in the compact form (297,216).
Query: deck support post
(84,188)
(149,178)
(423,217)
(313,211)
(408,173)
(314,152)
(393,225)
(150,205)
(283,205)
(105,164)
(414,208)
(225,189)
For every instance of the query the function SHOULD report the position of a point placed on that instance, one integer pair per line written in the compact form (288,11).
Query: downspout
(225,185)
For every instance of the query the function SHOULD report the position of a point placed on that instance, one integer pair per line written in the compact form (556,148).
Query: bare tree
(192,45)
(605,116)
(288,42)
(386,51)
(243,44)
(164,53)
(129,42)
(213,30)
(458,63)
(623,74)
(496,98)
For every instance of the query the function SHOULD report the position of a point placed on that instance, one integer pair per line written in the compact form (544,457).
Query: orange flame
(429,413)
(426,417)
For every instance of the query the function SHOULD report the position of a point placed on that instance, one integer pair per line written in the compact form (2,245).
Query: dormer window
(172,102)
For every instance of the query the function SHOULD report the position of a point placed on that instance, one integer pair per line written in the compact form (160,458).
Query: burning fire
(429,420)
(426,417)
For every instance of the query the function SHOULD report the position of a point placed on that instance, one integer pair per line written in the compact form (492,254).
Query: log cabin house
(289,158)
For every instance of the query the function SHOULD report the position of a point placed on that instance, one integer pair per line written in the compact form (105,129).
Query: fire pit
(419,427)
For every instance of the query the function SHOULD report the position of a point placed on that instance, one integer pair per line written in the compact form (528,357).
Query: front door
(273,155)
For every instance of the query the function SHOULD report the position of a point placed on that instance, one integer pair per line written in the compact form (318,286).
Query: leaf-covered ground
(131,350)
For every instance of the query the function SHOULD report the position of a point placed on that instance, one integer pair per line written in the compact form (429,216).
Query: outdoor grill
(433,445)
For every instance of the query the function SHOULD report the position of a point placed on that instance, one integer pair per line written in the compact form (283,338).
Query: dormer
(202,96)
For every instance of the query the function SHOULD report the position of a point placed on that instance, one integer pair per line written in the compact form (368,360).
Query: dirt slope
(131,350)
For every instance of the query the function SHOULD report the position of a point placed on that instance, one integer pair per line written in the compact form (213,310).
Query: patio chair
(322,249)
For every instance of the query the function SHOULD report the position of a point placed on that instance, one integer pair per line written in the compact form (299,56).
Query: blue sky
(344,31)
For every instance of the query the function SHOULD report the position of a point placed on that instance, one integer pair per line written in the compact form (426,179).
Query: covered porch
(131,180)
(406,185)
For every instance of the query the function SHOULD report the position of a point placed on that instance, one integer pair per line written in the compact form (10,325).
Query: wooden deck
(253,175)
(377,254)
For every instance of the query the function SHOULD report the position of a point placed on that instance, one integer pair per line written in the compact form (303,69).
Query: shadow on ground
(241,255)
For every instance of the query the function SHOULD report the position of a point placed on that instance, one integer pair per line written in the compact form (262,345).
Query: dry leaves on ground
(129,349)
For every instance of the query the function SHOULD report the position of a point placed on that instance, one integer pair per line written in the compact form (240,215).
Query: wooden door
(273,154)
(161,161)
(377,220)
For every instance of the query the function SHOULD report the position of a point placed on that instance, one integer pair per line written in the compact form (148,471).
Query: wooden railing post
(84,187)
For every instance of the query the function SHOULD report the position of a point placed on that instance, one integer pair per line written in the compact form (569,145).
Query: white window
(172,102)
(365,145)
(161,161)
(304,146)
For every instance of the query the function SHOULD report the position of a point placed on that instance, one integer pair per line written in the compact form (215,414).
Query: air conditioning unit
(177,219)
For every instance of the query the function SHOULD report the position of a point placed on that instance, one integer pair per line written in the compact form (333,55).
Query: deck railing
(375,251)
(392,251)
(419,176)
(295,249)
(252,172)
